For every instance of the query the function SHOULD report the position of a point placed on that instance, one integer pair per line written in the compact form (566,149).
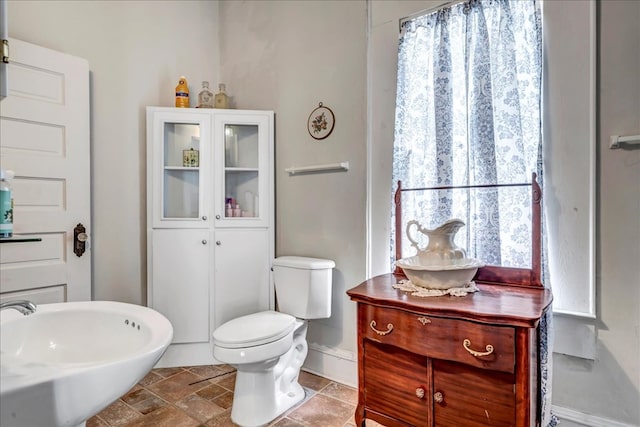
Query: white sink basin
(67,362)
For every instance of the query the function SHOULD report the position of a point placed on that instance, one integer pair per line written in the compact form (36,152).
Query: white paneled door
(44,139)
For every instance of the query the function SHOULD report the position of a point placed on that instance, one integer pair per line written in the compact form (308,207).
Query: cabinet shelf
(182,168)
(238,170)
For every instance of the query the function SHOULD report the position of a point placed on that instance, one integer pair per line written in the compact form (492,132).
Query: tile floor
(201,396)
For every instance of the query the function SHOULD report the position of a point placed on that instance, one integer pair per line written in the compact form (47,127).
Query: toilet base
(265,390)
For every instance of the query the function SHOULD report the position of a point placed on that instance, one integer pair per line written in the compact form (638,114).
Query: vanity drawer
(475,344)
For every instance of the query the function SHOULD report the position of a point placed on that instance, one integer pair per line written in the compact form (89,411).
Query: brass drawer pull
(388,331)
(424,320)
(420,393)
(438,397)
(467,343)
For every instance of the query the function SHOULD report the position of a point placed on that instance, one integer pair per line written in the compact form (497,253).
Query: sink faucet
(23,306)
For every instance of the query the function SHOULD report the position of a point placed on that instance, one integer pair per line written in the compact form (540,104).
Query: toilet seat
(254,330)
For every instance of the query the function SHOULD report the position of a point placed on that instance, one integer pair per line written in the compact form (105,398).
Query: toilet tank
(303,286)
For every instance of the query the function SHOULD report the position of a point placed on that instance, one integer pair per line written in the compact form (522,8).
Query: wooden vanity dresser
(452,361)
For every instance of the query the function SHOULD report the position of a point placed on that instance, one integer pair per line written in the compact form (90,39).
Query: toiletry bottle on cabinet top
(182,93)
(205,97)
(221,99)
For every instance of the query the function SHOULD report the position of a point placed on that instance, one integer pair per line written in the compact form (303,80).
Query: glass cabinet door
(182,168)
(243,171)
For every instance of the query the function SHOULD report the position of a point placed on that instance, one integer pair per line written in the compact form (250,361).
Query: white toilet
(268,348)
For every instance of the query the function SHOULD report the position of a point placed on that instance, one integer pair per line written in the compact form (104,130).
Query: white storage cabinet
(210,239)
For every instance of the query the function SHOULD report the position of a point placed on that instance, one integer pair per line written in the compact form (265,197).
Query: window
(468,114)
(569,136)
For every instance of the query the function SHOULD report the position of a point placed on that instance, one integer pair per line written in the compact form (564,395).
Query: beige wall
(288,56)
(136,52)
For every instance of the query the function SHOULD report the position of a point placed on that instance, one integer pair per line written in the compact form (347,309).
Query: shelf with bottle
(247,208)
(181,145)
(181,170)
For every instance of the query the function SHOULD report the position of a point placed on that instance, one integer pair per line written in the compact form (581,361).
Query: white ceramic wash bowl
(68,361)
(454,274)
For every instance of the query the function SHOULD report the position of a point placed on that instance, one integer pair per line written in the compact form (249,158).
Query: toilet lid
(254,329)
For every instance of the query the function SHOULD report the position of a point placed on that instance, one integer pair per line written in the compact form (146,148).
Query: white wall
(609,386)
(289,56)
(383,59)
(136,52)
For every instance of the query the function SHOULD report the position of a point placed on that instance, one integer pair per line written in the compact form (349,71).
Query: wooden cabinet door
(465,396)
(396,383)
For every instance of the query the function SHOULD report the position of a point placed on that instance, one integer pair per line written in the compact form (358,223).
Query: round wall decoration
(321,121)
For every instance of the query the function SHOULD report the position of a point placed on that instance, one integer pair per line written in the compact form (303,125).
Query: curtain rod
(428,11)
(468,187)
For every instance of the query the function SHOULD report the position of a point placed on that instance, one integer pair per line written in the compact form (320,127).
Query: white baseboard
(187,355)
(332,363)
(585,419)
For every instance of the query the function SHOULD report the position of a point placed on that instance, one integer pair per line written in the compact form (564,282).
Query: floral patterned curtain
(468,113)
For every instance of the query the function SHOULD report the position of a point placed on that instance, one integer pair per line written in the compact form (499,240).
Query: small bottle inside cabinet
(181,170)
(241,170)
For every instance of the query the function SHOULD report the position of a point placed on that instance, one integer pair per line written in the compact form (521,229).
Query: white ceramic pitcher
(441,248)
